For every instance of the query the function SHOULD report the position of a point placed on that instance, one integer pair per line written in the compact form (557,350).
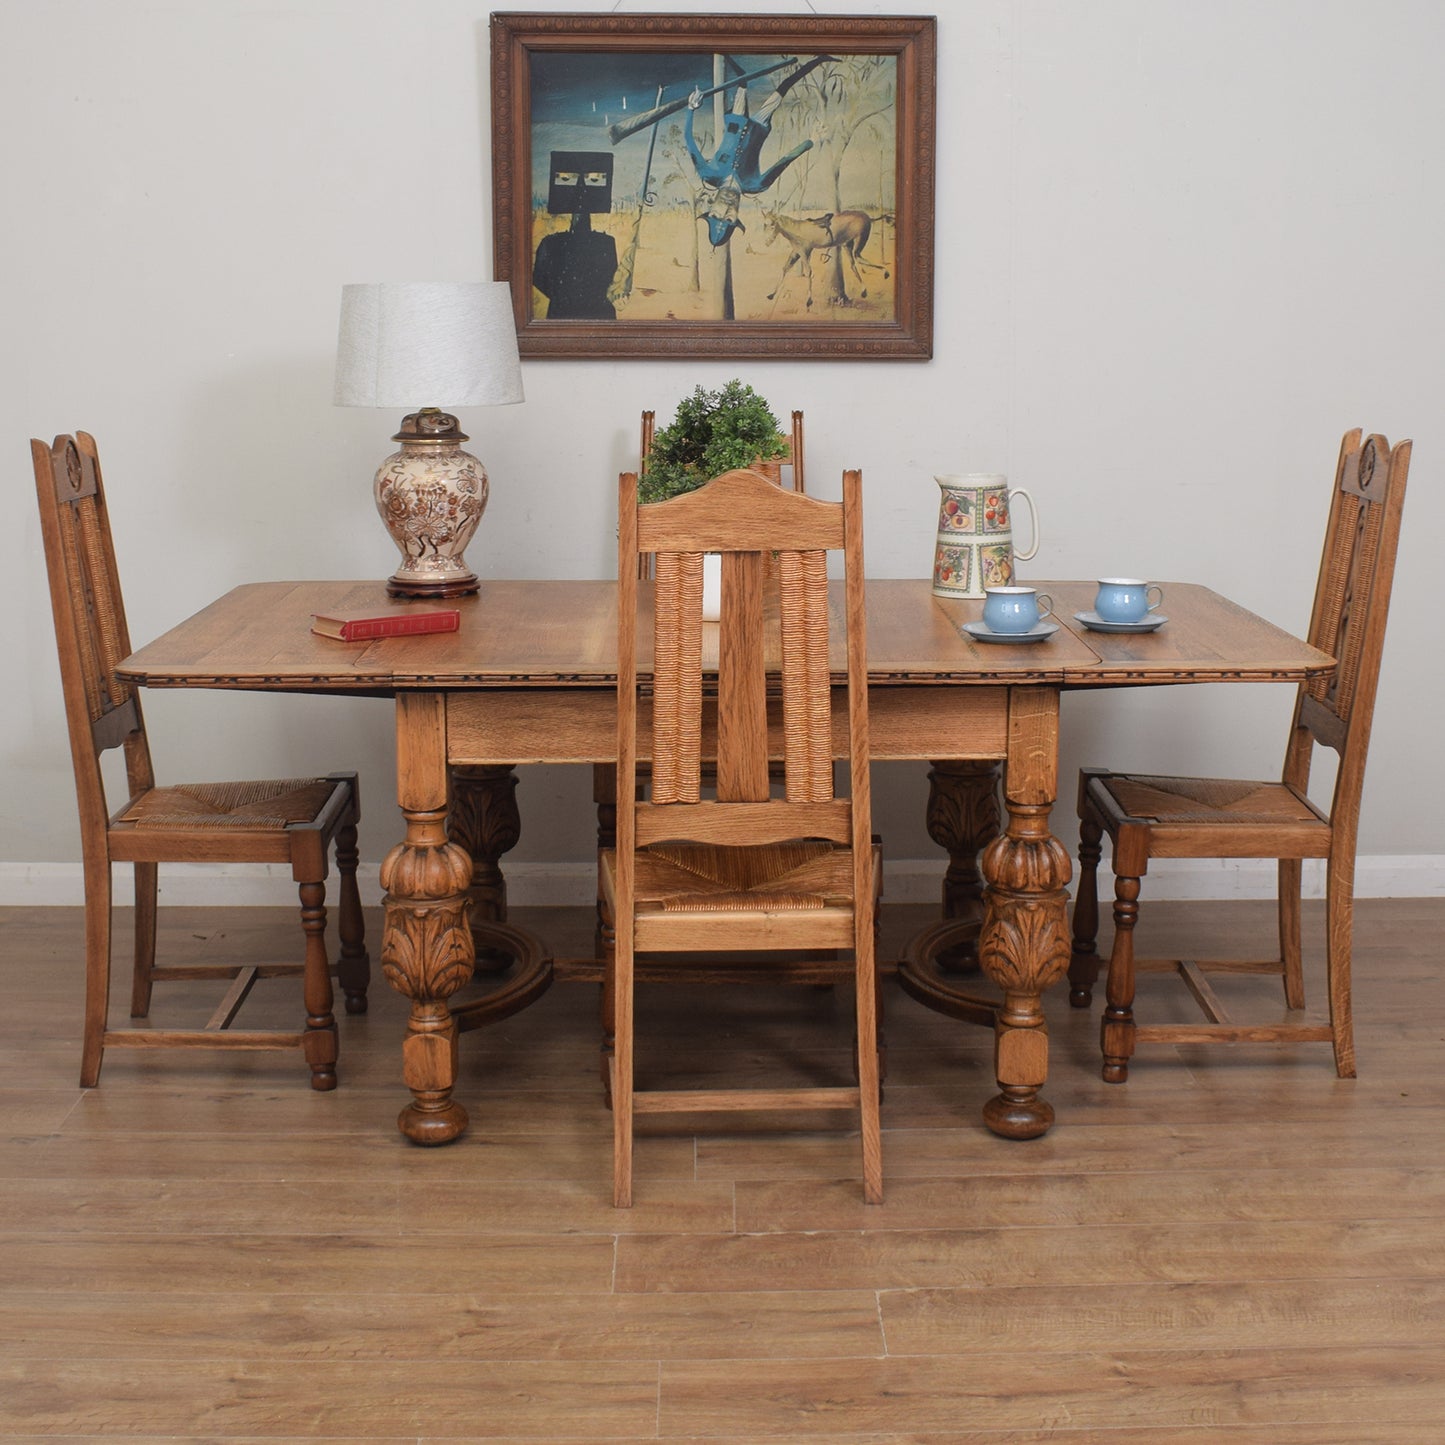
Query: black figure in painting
(574,268)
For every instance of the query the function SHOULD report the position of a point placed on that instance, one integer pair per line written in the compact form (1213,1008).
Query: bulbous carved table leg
(1022,939)
(1023,947)
(427,954)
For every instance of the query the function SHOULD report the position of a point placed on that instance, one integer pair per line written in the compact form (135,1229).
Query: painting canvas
(745,188)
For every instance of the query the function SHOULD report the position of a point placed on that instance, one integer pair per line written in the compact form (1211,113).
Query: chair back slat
(742,697)
(803,612)
(677,679)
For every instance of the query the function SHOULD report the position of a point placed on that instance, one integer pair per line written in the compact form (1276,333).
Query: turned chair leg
(1116,1028)
(320,1036)
(1291,874)
(353,964)
(1084,960)
(1339,928)
(607,1000)
(622,1078)
(97,971)
(143,968)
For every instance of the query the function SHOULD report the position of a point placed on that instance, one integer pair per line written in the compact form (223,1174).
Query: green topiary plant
(713,432)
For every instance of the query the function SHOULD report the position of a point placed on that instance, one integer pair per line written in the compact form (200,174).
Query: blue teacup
(1126,599)
(1015,609)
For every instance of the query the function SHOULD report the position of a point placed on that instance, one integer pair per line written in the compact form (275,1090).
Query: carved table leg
(1024,944)
(963,818)
(426,951)
(486,822)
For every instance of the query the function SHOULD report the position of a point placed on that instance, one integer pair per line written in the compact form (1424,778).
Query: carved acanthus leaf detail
(1025,946)
(963,808)
(439,934)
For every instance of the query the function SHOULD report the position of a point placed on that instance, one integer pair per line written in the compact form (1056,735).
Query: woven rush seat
(1208,800)
(270,803)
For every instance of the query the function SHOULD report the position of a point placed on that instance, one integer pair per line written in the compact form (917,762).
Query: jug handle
(1033,519)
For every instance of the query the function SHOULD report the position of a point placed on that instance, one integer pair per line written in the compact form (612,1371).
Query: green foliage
(713,432)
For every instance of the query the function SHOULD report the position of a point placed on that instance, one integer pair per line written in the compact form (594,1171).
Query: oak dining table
(530,677)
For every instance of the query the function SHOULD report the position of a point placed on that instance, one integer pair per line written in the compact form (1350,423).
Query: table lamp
(424,346)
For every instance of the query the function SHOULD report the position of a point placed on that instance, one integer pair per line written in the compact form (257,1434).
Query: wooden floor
(1235,1246)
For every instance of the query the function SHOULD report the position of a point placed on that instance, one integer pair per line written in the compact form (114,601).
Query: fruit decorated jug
(975,546)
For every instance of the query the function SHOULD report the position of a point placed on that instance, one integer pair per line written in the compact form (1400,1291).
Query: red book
(356,626)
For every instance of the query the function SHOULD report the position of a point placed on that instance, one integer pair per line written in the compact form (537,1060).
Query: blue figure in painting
(734,168)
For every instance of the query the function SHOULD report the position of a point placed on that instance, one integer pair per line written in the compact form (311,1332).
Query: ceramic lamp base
(431,496)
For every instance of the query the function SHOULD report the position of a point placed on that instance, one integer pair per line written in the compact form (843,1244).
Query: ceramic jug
(975,547)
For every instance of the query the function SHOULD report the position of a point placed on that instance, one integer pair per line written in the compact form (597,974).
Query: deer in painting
(847,231)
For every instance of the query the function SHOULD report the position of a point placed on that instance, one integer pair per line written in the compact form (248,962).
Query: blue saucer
(1092,620)
(982,633)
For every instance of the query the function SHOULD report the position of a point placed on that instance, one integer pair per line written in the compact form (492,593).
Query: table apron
(579,725)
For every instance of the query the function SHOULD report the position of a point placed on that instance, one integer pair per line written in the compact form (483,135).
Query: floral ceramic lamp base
(431,495)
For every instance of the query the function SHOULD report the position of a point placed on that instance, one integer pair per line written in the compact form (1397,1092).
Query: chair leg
(622,1076)
(1084,960)
(143,969)
(865,994)
(320,1036)
(1291,873)
(1116,1028)
(606,936)
(353,964)
(97,971)
(1339,930)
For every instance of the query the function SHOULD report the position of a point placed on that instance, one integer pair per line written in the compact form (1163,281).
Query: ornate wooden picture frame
(712,185)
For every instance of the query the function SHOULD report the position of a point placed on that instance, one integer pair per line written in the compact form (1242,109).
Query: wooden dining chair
(1163,817)
(294,821)
(741,870)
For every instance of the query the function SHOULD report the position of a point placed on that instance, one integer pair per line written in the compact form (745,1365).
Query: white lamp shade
(412,344)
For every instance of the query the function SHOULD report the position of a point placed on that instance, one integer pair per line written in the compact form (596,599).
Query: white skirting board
(906,880)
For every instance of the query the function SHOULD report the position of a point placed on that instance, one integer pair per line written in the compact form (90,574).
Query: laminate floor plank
(304,1400)
(801,1399)
(1220,1198)
(353,1206)
(1253,1314)
(1084,1255)
(383,1157)
(1353,1434)
(1385,1140)
(104,1322)
(255,1262)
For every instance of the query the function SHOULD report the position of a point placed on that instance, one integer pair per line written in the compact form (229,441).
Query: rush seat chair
(293,821)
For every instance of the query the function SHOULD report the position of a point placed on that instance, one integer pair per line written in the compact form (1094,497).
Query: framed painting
(713,185)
